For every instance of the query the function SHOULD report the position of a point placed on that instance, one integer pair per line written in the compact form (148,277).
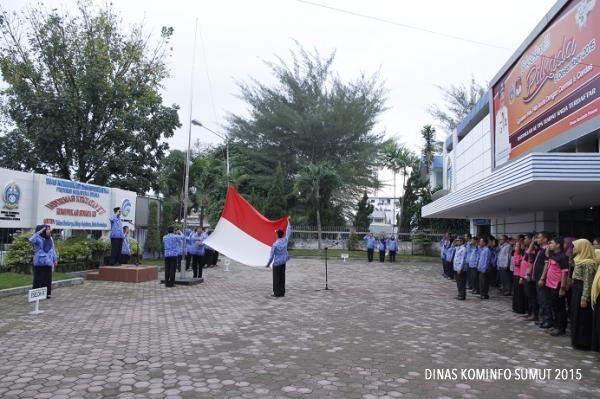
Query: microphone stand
(326,274)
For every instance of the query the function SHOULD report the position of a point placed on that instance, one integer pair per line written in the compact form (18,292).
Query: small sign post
(36,295)
(345,257)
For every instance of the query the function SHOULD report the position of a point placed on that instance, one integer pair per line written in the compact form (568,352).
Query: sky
(415,46)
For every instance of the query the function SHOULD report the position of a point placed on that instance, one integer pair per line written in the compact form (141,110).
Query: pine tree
(362,219)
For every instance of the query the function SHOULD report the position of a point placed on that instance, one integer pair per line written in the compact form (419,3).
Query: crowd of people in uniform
(198,255)
(554,282)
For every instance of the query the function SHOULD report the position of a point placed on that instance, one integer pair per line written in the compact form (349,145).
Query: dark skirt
(581,318)
(519,303)
(596,326)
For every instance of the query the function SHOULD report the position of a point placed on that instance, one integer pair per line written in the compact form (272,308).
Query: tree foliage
(362,218)
(83,96)
(459,101)
(310,117)
(153,244)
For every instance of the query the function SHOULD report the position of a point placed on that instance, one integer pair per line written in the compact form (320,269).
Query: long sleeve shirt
(503,260)
(460,259)
(41,257)
(125,250)
(450,254)
(392,245)
(370,241)
(172,244)
(485,260)
(279,253)
(197,246)
(116,226)
(474,257)
(585,272)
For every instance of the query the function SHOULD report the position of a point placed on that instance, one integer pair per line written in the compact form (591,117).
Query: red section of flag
(240,213)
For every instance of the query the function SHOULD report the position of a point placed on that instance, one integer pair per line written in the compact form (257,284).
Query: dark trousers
(559,308)
(42,277)
(543,297)
(197,265)
(382,256)
(532,298)
(214,258)
(188,261)
(179,260)
(461,283)
(474,278)
(392,256)
(170,265)
(279,280)
(124,259)
(370,254)
(506,279)
(116,245)
(484,283)
(448,269)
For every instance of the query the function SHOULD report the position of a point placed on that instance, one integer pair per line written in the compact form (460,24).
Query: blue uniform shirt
(125,248)
(381,245)
(392,245)
(370,241)
(172,244)
(279,253)
(485,259)
(474,257)
(450,253)
(197,246)
(41,257)
(116,226)
(460,258)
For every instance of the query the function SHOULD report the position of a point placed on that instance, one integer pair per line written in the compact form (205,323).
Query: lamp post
(220,135)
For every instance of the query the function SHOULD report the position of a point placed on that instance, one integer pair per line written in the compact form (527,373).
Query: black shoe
(484,297)
(475,292)
(461,298)
(545,325)
(557,333)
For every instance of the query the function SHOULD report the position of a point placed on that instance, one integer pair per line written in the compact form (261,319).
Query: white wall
(513,225)
(472,156)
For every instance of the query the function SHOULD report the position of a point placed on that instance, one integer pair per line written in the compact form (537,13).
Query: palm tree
(315,184)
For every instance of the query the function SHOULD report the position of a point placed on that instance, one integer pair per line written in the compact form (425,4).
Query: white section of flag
(231,241)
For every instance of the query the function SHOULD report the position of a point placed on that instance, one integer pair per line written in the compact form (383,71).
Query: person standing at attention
(392,246)
(125,249)
(44,258)
(279,257)
(116,237)
(370,246)
(172,244)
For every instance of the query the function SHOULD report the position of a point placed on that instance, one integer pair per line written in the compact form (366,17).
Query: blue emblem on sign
(126,207)
(12,195)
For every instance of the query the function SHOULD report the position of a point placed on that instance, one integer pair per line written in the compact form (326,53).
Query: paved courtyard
(379,334)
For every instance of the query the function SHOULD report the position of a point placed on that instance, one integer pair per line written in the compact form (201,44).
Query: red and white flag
(244,234)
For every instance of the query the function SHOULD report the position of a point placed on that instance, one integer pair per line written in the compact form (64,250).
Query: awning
(535,182)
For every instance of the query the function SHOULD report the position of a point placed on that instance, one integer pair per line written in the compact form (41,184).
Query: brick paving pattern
(375,335)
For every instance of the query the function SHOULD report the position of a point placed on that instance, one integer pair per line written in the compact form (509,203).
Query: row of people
(382,244)
(553,281)
(198,254)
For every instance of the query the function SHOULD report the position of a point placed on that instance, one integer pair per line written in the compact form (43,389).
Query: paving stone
(377,334)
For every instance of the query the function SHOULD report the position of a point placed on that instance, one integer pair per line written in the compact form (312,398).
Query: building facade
(527,156)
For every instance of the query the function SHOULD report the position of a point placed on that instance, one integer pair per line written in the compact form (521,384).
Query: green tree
(429,147)
(316,185)
(275,206)
(83,96)
(459,101)
(362,219)
(309,116)
(153,244)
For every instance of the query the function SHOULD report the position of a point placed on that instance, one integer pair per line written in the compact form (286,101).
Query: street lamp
(220,135)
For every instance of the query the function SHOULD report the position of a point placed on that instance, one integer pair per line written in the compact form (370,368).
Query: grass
(11,280)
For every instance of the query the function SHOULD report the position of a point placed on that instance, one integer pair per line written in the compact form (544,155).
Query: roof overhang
(535,182)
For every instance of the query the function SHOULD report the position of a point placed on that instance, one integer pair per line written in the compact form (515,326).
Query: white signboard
(16,199)
(37,294)
(126,201)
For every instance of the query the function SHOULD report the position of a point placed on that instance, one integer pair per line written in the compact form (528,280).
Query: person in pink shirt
(555,275)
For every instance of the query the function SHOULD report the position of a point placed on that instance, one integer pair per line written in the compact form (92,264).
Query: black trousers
(370,254)
(559,308)
(279,280)
(392,256)
(197,265)
(449,269)
(461,283)
(42,277)
(484,283)
(506,279)
(382,256)
(473,277)
(170,265)
(188,262)
(116,245)
(532,300)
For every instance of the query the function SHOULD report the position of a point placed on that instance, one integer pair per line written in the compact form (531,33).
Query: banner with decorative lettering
(553,87)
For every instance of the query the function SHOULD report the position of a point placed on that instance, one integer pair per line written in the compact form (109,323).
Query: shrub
(19,257)
(353,241)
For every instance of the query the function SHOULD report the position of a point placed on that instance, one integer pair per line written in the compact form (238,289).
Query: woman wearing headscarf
(584,269)
(596,305)
(44,258)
